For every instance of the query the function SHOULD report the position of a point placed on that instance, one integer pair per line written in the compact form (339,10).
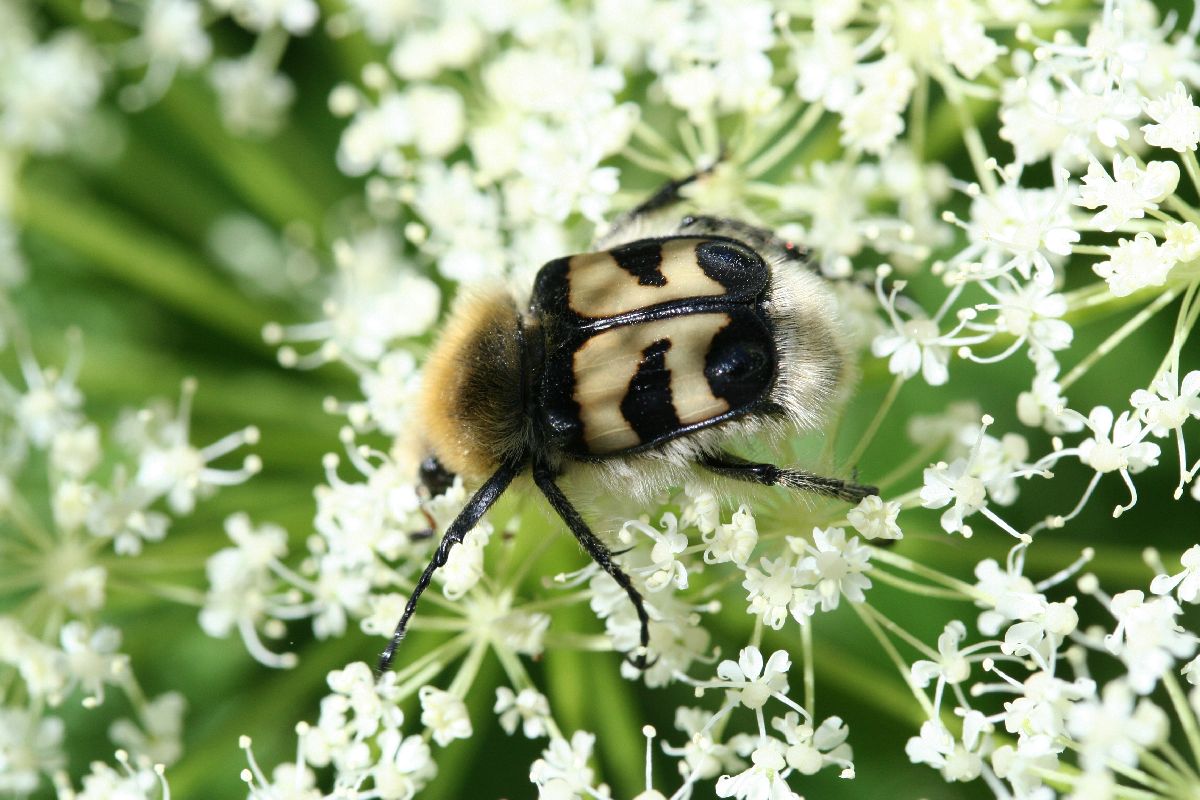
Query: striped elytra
(650,341)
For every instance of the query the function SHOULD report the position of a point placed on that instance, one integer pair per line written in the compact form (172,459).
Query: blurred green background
(120,250)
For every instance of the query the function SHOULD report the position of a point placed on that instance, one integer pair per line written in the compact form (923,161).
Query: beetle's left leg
(544,478)
(731,466)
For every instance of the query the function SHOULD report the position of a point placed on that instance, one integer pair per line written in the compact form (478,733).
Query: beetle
(637,363)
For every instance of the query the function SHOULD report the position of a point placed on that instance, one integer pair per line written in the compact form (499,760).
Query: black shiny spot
(739,269)
(740,364)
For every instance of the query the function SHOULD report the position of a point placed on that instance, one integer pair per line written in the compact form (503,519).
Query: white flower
(563,772)
(872,119)
(444,715)
(464,566)
(159,737)
(254,98)
(47,93)
(29,746)
(1044,405)
(1016,228)
(295,16)
(914,345)
(1135,264)
(752,682)
(808,750)
(668,544)
(404,768)
(734,541)
(1178,121)
(1040,712)
(1116,447)
(1112,729)
(173,31)
(1170,403)
(106,783)
(938,748)
(953,483)
(764,780)
(1182,241)
(92,658)
(834,565)
(701,755)
(776,590)
(1186,584)
(875,518)
(952,666)
(1148,638)
(530,708)
(1129,192)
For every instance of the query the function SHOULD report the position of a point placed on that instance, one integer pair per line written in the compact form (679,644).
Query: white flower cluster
(490,137)
(62,562)
(1049,719)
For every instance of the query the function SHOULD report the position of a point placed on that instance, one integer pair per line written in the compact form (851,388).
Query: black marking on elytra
(741,361)
(648,406)
(643,260)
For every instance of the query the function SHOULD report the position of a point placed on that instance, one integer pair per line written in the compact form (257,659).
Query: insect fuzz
(635,364)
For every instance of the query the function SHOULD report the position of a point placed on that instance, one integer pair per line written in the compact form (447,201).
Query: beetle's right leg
(544,478)
(731,466)
(632,224)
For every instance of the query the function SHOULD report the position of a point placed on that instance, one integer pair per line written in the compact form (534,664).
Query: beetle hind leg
(731,466)
(544,478)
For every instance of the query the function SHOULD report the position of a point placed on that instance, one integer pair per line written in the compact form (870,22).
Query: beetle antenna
(467,519)
(544,478)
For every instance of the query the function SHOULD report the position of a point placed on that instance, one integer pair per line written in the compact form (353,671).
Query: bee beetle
(637,363)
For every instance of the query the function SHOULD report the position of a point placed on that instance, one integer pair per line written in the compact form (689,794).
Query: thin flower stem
(880,414)
(1188,157)
(806,652)
(917,459)
(1180,763)
(656,141)
(1183,710)
(971,138)
(1164,771)
(1118,336)
(890,649)
(425,668)
(183,595)
(913,641)
(648,162)
(791,139)
(469,669)
(918,114)
(968,591)
(914,587)
(1189,310)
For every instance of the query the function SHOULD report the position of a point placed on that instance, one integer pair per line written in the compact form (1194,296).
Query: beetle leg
(731,466)
(474,510)
(667,195)
(544,478)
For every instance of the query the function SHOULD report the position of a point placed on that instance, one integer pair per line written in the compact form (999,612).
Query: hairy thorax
(472,412)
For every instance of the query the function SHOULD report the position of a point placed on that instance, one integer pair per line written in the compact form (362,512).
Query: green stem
(1118,336)
(142,258)
(894,655)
